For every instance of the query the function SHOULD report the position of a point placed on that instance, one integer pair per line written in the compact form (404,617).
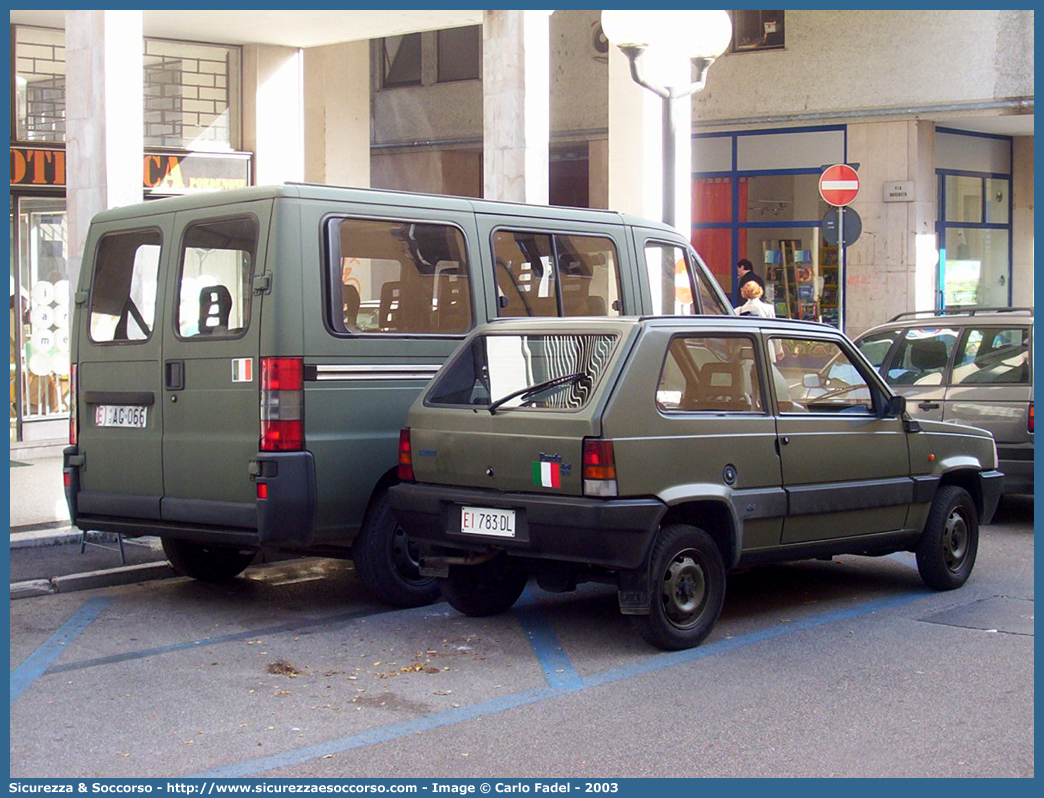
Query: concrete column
(516,105)
(337,114)
(1022,222)
(273,112)
(636,130)
(104,119)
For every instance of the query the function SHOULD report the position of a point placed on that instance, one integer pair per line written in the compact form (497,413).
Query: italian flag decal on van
(547,475)
(243,369)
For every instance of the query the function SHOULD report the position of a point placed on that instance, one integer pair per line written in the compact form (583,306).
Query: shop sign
(162,173)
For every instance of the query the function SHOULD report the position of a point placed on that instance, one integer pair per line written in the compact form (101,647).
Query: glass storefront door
(40,315)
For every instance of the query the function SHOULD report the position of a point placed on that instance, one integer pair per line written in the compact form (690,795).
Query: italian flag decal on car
(243,369)
(547,475)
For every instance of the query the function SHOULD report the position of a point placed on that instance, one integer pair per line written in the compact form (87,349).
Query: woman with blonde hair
(755,305)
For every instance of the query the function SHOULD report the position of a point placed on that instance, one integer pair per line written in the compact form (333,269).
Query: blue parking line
(557,666)
(40,660)
(567,686)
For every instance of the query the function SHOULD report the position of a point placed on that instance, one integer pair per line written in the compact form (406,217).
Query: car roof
(709,322)
(956,316)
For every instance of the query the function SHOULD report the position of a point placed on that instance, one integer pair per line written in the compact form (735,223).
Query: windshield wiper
(532,389)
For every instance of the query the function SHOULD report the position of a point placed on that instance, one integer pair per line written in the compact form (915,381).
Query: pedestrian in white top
(755,305)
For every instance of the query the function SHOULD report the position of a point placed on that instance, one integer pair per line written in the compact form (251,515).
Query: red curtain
(712,203)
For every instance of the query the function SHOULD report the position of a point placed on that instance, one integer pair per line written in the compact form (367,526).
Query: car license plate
(487,521)
(134,416)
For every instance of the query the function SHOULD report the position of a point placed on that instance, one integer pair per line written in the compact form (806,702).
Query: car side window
(707,373)
(389,276)
(922,356)
(997,355)
(215,278)
(876,347)
(123,287)
(555,274)
(820,377)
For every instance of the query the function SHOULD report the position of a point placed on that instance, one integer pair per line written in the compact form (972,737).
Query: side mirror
(895,407)
(811,381)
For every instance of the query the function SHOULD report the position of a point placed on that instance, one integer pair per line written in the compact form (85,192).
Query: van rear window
(541,371)
(388,276)
(123,286)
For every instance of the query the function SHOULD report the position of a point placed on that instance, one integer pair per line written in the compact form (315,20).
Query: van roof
(371,196)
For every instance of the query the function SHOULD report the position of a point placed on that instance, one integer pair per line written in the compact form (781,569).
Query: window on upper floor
(460,52)
(401,60)
(757,30)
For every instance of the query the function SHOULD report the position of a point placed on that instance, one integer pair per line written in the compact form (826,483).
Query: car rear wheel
(687,589)
(388,562)
(204,562)
(489,588)
(947,548)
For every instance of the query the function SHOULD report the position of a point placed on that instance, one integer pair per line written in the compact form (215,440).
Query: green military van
(243,360)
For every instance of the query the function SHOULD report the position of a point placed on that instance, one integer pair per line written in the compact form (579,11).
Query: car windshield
(533,371)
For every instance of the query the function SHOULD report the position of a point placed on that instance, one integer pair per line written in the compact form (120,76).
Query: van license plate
(487,521)
(134,416)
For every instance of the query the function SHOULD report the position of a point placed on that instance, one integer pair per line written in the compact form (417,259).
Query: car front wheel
(947,548)
(687,589)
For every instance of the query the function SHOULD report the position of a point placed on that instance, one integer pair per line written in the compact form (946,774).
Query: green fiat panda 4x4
(657,454)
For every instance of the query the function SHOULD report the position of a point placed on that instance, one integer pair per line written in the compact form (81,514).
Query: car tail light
(1029,424)
(405,456)
(282,404)
(599,468)
(73,420)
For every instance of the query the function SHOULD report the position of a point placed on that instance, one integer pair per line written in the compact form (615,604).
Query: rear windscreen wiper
(532,389)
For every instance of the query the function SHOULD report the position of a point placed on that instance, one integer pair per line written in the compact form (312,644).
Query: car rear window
(997,355)
(533,371)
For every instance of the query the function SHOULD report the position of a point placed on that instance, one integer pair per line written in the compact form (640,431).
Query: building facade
(935,108)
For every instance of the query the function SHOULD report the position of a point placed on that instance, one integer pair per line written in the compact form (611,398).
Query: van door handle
(929,405)
(174,375)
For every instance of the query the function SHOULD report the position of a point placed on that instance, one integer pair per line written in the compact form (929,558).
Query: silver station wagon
(657,454)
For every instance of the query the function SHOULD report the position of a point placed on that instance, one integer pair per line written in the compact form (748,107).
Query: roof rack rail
(970,310)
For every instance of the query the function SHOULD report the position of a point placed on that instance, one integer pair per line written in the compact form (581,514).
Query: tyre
(686,589)
(947,548)
(388,563)
(204,562)
(486,589)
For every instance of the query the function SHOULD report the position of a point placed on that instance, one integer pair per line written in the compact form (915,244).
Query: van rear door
(210,369)
(118,346)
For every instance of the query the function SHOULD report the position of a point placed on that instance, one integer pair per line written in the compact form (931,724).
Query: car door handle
(174,375)
(929,405)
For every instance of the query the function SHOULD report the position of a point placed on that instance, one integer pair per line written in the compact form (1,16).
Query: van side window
(993,355)
(560,274)
(398,277)
(215,279)
(123,286)
(715,374)
(677,288)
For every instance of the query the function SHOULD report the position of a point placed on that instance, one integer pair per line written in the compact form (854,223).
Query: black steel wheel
(205,562)
(388,562)
(489,588)
(950,541)
(686,589)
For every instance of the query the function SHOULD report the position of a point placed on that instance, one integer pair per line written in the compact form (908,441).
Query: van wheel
(489,588)
(206,563)
(947,548)
(686,589)
(388,562)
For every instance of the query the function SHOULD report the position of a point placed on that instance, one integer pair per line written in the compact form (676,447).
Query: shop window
(123,287)
(543,274)
(398,277)
(401,60)
(757,30)
(459,53)
(215,279)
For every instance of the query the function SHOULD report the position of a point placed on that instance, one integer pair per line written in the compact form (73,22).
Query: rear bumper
(1017,464)
(614,533)
(284,518)
(992,484)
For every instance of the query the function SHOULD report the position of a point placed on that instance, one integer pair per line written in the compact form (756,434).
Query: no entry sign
(839,184)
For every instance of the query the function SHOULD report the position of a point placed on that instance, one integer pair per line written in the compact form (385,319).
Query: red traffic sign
(839,184)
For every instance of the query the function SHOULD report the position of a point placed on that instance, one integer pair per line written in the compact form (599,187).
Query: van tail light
(405,456)
(282,404)
(1029,425)
(73,420)
(599,468)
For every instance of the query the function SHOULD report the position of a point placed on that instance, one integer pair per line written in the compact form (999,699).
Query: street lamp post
(698,36)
